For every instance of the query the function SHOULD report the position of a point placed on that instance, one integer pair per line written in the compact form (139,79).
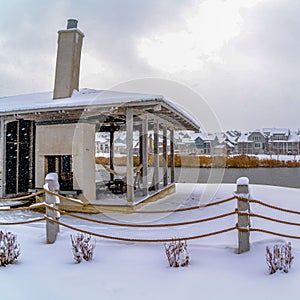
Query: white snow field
(131,270)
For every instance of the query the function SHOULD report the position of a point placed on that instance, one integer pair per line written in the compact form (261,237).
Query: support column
(111,152)
(2,140)
(129,153)
(172,155)
(243,210)
(52,185)
(156,156)
(165,156)
(144,153)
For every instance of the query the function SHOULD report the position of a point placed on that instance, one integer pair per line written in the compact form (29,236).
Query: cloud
(245,61)
(256,86)
(29,33)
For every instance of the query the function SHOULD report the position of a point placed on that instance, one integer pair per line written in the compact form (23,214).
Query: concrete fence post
(52,185)
(243,209)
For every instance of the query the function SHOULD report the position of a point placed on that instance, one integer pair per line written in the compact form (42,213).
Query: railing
(242,212)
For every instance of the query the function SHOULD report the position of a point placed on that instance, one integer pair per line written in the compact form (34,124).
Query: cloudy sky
(240,56)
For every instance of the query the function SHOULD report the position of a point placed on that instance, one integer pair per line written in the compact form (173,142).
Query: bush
(280,258)
(9,248)
(177,253)
(82,247)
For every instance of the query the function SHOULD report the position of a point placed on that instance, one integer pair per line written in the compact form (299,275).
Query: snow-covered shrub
(281,258)
(9,248)
(177,253)
(82,247)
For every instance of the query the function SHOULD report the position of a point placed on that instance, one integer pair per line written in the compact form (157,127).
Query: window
(19,156)
(62,166)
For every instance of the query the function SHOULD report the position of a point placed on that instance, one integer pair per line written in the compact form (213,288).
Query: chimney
(68,60)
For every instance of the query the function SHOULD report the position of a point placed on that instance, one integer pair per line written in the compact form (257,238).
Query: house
(280,141)
(205,142)
(55,132)
(102,144)
(185,142)
(269,141)
(255,142)
(227,142)
(244,145)
(259,142)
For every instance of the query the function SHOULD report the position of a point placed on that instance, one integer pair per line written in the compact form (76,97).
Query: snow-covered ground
(122,270)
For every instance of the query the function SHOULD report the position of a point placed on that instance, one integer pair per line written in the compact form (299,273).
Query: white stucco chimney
(68,60)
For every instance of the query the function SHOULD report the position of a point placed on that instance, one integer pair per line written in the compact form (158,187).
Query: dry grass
(194,161)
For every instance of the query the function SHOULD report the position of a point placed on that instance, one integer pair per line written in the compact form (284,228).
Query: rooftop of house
(276,131)
(84,98)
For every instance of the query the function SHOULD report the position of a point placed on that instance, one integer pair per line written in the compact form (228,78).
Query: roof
(204,136)
(41,102)
(275,131)
(258,131)
(244,138)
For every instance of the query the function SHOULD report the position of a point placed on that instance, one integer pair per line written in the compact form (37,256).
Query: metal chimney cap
(72,23)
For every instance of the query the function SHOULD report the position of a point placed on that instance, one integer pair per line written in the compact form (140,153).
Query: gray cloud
(255,86)
(28,37)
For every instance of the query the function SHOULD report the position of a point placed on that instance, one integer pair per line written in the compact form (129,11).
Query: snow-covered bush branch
(281,258)
(82,247)
(9,248)
(177,253)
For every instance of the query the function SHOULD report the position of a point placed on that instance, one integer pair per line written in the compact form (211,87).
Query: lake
(287,177)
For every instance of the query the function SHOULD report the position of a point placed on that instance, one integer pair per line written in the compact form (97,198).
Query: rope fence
(58,222)
(143,225)
(24,222)
(246,214)
(275,233)
(139,240)
(23,197)
(104,209)
(275,207)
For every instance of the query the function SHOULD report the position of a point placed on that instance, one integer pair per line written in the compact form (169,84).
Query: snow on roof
(82,98)
(101,139)
(258,131)
(233,133)
(294,138)
(273,131)
(204,136)
(229,143)
(244,138)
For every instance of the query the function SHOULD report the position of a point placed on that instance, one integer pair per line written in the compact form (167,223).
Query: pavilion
(55,132)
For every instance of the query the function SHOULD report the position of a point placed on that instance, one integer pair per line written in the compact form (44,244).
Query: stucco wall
(68,63)
(1,156)
(77,140)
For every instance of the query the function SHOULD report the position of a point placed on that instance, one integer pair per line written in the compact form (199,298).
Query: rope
(33,206)
(23,197)
(141,225)
(139,240)
(76,201)
(103,209)
(241,229)
(274,220)
(275,233)
(275,207)
(24,222)
(14,209)
(242,198)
